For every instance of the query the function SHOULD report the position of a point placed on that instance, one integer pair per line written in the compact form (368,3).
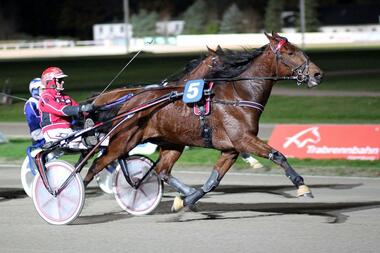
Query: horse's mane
(234,62)
(187,69)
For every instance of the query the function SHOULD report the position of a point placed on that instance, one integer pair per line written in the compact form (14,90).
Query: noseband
(300,72)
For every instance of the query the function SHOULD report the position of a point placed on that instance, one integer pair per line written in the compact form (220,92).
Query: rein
(116,102)
(235,79)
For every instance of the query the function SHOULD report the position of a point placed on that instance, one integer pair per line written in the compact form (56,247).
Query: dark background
(38,19)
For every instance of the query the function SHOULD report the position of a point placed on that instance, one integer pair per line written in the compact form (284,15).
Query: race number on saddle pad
(193,91)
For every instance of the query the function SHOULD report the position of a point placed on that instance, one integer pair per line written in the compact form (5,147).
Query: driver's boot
(90,140)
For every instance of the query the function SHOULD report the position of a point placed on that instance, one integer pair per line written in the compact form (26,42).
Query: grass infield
(14,152)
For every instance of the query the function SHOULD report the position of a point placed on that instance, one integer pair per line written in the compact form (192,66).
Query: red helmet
(50,75)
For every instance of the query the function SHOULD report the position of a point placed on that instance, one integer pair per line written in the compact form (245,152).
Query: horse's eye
(290,53)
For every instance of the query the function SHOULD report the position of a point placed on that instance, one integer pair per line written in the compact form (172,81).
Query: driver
(32,113)
(57,109)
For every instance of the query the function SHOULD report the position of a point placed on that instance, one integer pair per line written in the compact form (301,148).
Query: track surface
(248,213)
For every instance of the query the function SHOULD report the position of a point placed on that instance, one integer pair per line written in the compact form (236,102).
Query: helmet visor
(61,75)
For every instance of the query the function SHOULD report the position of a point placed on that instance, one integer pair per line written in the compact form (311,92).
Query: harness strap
(206,130)
(241,103)
(202,112)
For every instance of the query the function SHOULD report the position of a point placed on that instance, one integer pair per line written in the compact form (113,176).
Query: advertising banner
(351,142)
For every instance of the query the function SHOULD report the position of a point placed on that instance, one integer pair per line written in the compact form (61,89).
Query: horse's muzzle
(315,79)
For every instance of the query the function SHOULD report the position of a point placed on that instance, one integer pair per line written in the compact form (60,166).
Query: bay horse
(112,100)
(237,103)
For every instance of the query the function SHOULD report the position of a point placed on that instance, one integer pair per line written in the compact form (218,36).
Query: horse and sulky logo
(300,139)
(352,142)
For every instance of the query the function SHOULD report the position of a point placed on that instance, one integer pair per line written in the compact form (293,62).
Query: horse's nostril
(318,76)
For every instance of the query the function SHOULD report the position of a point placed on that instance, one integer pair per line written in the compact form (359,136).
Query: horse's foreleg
(167,158)
(223,164)
(260,148)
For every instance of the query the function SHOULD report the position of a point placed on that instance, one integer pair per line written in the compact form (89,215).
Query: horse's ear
(268,36)
(219,50)
(271,39)
(210,51)
(276,35)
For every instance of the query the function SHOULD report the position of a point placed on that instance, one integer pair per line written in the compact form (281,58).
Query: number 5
(192,91)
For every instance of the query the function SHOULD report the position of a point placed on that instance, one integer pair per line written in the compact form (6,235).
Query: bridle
(214,62)
(300,72)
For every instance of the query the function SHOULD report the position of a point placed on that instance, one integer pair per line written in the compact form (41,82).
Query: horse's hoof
(304,191)
(177,204)
(191,208)
(257,165)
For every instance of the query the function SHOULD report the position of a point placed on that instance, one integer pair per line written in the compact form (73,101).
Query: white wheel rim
(144,199)
(27,177)
(65,207)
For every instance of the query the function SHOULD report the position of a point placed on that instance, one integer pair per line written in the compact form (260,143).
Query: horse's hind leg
(100,163)
(118,147)
(168,156)
(260,148)
(224,163)
(255,164)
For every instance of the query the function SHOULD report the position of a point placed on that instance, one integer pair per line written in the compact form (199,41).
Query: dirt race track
(247,213)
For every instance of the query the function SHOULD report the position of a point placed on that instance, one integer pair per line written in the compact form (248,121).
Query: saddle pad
(206,106)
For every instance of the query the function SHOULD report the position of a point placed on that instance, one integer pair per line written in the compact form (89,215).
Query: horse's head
(292,61)
(201,67)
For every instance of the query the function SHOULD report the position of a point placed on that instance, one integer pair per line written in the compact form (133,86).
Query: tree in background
(144,23)
(74,17)
(7,28)
(195,18)
(255,21)
(233,20)
(311,21)
(273,20)
(212,26)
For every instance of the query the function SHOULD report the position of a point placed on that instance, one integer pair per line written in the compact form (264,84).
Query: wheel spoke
(134,198)
(46,202)
(70,200)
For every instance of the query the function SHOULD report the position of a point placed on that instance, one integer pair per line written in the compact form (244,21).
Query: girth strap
(206,130)
(202,111)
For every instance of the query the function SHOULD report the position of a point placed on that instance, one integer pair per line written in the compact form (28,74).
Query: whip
(121,71)
(11,96)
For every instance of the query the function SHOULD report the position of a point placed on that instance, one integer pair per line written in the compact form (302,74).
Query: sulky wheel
(27,177)
(67,205)
(147,196)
